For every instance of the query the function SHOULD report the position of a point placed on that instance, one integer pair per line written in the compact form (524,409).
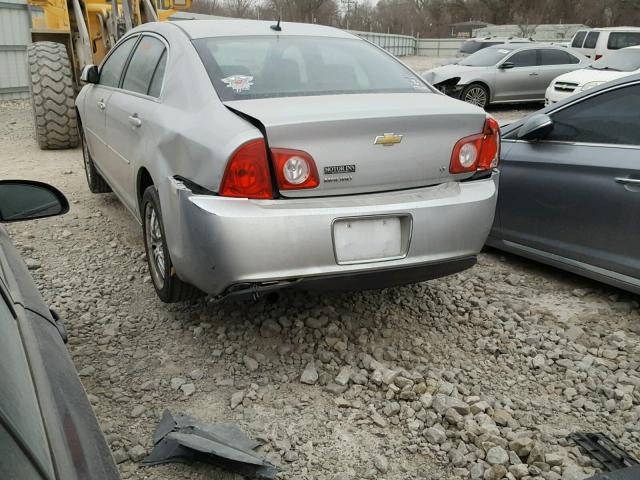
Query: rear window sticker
(239,83)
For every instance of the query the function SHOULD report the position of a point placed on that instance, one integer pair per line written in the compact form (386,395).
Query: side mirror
(90,74)
(28,200)
(506,65)
(536,127)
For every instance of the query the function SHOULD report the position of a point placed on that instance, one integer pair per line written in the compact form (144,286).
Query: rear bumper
(223,245)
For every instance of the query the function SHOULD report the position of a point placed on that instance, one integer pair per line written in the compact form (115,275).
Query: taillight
(295,169)
(247,173)
(477,152)
(598,57)
(490,152)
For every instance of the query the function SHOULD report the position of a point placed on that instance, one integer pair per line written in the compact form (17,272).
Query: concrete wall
(398,45)
(402,45)
(15,34)
(439,47)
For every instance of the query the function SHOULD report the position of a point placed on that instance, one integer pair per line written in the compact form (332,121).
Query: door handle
(134,120)
(101,104)
(533,74)
(628,181)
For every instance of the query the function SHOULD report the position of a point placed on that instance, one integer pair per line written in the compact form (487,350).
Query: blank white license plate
(367,239)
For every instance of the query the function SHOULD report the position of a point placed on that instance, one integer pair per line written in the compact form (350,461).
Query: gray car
(508,73)
(570,185)
(260,156)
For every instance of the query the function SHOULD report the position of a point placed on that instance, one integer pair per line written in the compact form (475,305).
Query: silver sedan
(260,156)
(508,73)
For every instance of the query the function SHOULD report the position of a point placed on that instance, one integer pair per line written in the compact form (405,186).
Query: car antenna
(277,26)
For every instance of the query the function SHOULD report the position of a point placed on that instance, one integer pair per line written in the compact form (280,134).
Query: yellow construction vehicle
(67,35)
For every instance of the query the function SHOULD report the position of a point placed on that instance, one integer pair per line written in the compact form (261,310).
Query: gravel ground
(480,375)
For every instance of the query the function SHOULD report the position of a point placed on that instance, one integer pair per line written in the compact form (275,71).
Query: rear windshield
(472,46)
(486,57)
(619,40)
(622,61)
(268,66)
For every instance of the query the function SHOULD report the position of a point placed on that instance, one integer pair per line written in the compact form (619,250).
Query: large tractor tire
(52,96)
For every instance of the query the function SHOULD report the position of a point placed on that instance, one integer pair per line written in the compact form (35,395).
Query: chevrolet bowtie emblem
(388,139)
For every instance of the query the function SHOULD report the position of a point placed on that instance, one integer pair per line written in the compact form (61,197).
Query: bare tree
(239,8)
(208,7)
(430,17)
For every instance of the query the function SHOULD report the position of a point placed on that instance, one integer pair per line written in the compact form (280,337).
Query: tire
(97,184)
(168,286)
(52,95)
(476,94)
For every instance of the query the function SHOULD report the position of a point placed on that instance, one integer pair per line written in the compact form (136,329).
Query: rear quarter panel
(192,134)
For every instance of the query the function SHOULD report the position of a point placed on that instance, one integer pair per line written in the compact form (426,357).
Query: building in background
(465,29)
(15,34)
(543,33)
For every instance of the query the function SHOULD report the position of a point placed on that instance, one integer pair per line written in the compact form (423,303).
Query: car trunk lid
(367,142)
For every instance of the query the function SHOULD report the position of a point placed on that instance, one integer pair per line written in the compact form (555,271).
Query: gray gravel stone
(381,463)
(309,374)
(137,411)
(137,453)
(236,399)
(435,434)
(497,456)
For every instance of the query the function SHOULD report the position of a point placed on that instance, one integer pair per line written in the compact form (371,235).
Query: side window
(551,56)
(158,76)
(143,65)
(525,58)
(578,39)
(618,40)
(112,68)
(591,40)
(610,118)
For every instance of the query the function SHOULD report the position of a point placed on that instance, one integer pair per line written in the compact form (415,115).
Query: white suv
(598,42)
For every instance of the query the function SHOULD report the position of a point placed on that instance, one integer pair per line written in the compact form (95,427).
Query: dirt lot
(478,375)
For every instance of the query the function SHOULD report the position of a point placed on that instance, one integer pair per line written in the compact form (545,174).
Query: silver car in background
(260,156)
(508,73)
(474,45)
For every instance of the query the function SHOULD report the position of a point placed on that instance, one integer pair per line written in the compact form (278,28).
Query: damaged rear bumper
(236,246)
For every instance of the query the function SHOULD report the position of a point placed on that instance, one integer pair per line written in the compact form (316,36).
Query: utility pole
(348,4)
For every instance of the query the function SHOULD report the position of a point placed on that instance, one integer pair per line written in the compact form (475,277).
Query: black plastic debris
(181,438)
(629,473)
(604,450)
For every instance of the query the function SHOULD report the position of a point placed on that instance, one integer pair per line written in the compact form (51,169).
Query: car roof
(505,46)
(526,46)
(615,29)
(500,39)
(232,27)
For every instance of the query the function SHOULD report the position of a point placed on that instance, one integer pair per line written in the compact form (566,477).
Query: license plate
(367,239)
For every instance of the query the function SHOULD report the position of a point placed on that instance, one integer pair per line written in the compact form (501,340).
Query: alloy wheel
(476,96)
(155,245)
